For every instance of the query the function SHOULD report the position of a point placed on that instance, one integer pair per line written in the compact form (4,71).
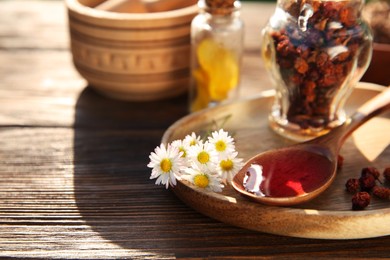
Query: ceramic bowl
(132,56)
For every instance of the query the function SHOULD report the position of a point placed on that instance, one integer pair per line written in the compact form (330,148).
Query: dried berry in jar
(361,200)
(317,56)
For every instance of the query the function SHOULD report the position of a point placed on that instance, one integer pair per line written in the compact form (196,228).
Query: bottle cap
(220,7)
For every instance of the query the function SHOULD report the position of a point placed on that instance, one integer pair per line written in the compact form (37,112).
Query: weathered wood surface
(73,175)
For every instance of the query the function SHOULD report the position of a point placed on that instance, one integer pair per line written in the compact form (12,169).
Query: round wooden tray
(327,217)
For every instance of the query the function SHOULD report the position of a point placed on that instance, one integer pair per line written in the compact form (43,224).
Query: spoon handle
(368,110)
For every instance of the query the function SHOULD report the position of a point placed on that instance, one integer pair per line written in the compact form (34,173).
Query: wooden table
(73,176)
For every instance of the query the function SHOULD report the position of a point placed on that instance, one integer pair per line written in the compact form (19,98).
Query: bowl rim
(79,8)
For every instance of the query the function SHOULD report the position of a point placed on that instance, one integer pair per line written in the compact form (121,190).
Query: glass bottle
(316,51)
(217,35)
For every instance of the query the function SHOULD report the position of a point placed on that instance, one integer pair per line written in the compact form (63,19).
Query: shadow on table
(116,198)
(112,142)
(113,192)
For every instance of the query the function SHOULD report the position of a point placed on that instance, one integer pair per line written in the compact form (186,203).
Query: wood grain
(73,177)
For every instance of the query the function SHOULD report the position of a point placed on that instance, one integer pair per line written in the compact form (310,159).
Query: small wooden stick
(165,5)
(123,6)
(141,6)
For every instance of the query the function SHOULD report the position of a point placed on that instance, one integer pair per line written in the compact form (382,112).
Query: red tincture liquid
(293,173)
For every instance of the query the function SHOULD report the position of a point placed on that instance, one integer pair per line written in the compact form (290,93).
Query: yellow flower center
(201,180)
(226,165)
(184,153)
(203,157)
(166,165)
(193,142)
(220,146)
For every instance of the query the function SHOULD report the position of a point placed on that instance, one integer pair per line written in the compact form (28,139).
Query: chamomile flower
(191,140)
(167,165)
(206,164)
(203,154)
(229,166)
(201,177)
(179,144)
(222,142)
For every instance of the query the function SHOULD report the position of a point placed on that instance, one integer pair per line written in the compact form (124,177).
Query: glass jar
(217,35)
(316,51)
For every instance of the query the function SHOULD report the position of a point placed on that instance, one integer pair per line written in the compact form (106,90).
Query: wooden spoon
(299,173)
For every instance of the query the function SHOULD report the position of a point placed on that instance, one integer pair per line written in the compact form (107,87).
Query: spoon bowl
(299,173)
(287,174)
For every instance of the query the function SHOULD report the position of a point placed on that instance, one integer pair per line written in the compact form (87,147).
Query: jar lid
(220,7)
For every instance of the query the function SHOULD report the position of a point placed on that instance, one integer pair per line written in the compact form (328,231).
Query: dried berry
(366,186)
(352,185)
(386,173)
(367,182)
(360,200)
(371,170)
(381,192)
(301,66)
